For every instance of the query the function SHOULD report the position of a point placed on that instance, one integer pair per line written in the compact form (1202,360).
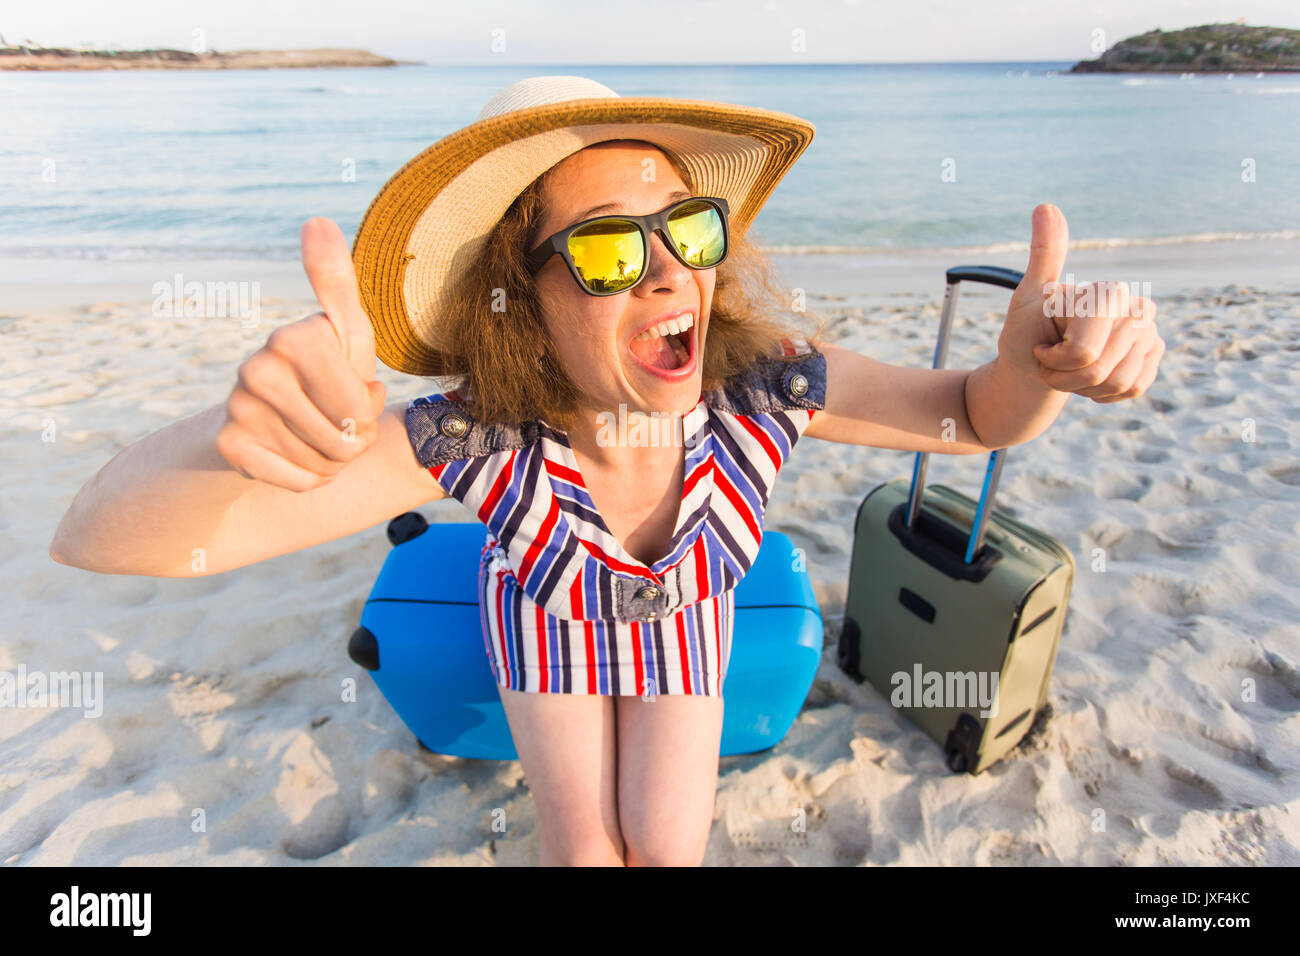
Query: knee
(666,845)
(581,849)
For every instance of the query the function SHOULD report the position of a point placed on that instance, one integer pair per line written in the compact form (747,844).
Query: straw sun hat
(432,219)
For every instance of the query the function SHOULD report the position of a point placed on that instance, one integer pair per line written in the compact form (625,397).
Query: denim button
(648,593)
(797,385)
(453,425)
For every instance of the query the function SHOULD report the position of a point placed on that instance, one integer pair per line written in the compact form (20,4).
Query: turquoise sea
(138,165)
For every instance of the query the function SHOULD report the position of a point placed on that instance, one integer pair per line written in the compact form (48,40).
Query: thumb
(1047,249)
(328,264)
(377,396)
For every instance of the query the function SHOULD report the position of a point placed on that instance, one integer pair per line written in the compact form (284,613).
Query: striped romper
(564,608)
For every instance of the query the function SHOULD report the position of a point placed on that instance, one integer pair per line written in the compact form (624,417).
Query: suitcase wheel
(363,648)
(847,652)
(406,527)
(961,747)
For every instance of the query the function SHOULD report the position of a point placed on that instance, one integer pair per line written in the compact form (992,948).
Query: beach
(223,738)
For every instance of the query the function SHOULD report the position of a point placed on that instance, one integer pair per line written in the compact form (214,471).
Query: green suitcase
(954,611)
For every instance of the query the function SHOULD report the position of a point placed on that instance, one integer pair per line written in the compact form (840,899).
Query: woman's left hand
(1098,340)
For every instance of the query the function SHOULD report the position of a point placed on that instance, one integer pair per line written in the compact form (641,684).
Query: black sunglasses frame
(558,244)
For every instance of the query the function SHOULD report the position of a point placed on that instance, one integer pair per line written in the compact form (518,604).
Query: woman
(608,563)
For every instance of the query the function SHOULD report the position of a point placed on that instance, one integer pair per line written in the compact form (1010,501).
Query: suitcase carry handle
(989,275)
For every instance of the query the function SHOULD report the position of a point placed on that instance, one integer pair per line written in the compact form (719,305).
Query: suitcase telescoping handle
(990,275)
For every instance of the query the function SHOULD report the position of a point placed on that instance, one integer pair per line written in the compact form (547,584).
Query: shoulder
(796,379)
(442,429)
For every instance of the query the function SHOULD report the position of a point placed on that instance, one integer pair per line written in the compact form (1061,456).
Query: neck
(626,440)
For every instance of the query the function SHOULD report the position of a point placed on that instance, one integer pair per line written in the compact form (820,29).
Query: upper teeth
(671,327)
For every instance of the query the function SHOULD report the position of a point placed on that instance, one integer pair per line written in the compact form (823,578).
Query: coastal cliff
(57,58)
(1213,48)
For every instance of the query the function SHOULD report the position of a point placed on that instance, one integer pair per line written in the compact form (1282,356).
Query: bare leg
(567,745)
(667,777)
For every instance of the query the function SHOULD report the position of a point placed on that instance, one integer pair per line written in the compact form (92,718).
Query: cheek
(583,330)
(707,283)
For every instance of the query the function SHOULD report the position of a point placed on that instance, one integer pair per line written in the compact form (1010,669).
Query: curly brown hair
(497,365)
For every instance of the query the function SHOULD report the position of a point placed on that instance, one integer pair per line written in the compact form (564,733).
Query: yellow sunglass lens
(609,255)
(697,230)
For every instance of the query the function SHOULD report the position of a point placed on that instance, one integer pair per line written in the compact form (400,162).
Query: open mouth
(668,347)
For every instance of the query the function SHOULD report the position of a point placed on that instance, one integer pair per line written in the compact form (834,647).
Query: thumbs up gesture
(307,403)
(1098,340)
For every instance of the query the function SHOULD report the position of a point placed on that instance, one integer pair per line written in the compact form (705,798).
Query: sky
(557,32)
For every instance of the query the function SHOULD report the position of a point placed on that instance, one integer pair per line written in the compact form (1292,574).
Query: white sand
(222,694)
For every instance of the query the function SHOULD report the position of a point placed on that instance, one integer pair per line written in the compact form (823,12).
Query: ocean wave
(291,252)
(1023,246)
(151,253)
(336,90)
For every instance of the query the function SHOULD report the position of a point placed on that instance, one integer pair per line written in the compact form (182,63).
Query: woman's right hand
(307,403)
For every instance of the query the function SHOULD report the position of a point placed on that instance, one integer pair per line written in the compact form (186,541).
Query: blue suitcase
(420,639)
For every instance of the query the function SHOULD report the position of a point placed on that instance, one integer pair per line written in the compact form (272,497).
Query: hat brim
(431,219)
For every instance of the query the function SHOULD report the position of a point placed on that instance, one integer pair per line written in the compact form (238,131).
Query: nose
(662,266)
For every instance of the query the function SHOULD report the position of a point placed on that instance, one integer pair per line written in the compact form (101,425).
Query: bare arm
(155,502)
(869,402)
(303,451)
(1102,345)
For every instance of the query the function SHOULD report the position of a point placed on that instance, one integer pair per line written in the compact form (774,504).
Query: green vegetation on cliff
(58,58)
(1213,48)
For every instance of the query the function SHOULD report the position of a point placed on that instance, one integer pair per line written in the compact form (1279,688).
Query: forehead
(606,170)
(613,154)
(611,174)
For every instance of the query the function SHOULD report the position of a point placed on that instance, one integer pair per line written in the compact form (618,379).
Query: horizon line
(400,61)
(678,63)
